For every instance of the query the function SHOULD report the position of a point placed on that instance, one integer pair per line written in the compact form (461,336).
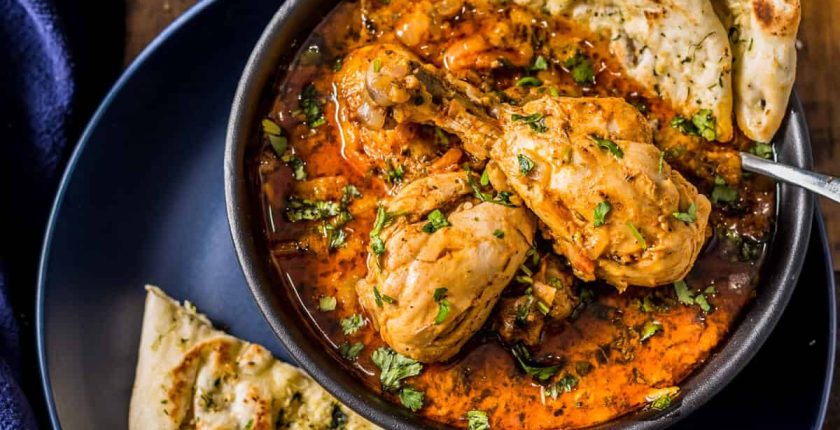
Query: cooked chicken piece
(588,170)
(431,290)
(568,158)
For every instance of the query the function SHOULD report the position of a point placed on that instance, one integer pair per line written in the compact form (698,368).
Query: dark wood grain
(818,84)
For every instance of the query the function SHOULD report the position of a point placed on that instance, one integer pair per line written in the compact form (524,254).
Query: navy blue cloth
(56,59)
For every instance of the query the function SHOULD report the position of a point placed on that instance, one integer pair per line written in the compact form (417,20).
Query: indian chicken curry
(495,222)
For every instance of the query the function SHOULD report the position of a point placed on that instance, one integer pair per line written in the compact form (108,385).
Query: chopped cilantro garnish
(348,193)
(437,220)
(377,65)
(379,298)
(394,367)
(661,403)
(639,238)
(395,172)
(567,383)
(311,105)
(443,305)
(498,233)
(703,303)
(327,303)
(528,81)
(525,164)
(581,69)
(336,237)
(609,145)
(683,293)
(310,210)
(762,150)
(723,192)
(502,198)
(352,324)
(535,120)
(350,352)
(485,178)
(661,161)
(477,420)
(541,373)
(688,216)
(411,398)
(600,213)
(553,91)
(382,219)
(650,328)
(703,124)
(540,63)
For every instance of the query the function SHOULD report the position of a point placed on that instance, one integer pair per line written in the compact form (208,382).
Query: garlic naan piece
(192,376)
(763,37)
(675,48)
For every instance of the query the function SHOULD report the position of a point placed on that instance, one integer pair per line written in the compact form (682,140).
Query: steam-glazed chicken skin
(440,275)
(586,166)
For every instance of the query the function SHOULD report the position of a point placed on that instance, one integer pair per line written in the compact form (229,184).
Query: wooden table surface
(817,82)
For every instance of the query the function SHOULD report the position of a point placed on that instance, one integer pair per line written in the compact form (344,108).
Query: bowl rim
(291,25)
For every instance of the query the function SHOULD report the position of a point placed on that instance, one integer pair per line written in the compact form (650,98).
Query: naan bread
(191,376)
(676,48)
(763,37)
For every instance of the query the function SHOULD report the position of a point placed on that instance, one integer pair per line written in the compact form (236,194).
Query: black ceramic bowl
(275,49)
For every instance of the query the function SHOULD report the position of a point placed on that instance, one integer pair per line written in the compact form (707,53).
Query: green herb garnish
(688,216)
(498,233)
(541,373)
(312,107)
(581,69)
(311,210)
(443,305)
(477,420)
(639,238)
(351,352)
(352,324)
(394,367)
(411,398)
(762,150)
(703,124)
(436,221)
(600,213)
(540,63)
(650,328)
(683,293)
(535,120)
(327,303)
(528,81)
(723,192)
(526,165)
(661,403)
(609,145)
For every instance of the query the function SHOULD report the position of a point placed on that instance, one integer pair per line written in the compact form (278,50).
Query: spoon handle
(824,185)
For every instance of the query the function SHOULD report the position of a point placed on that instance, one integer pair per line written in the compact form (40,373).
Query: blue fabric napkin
(56,59)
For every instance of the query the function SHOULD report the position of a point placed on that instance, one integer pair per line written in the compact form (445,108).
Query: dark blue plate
(142,201)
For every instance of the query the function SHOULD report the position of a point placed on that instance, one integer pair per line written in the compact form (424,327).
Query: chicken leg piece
(431,290)
(586,166)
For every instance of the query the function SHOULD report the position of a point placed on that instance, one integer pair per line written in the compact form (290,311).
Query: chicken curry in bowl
(495,221)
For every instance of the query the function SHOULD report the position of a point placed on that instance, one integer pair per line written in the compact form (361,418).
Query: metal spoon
(824,185)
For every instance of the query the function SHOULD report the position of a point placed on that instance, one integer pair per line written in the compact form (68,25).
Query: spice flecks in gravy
(617,350)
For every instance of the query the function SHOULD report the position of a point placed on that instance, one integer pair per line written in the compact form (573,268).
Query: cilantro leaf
(609,145)
(649,329)
(535,120)
(639,238)
(352,324)
(443,305)
(661,403)
(411,398)
(600,213)
(436,222)
(706,124)
(327,303)
(540,63)
(683,293)
(528,81)
(526,165)
(312,107)
(762,150)
(310,210)
(394,367)
(350,352)
(477,420)
(541,373)
(581,69)
(689,216)
(498,233)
